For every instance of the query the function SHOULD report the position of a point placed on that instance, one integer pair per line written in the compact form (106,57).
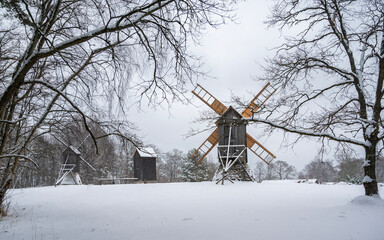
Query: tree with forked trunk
(70,59)
(330,75)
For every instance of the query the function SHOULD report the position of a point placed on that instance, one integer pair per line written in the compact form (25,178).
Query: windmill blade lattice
(258,101)
(209,99)
(207,145)
(231,136)
(259,150)
(70,167)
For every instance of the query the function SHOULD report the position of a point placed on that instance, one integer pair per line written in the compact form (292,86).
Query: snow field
(242,210)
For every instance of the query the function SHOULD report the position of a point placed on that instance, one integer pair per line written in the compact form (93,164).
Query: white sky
(232,54)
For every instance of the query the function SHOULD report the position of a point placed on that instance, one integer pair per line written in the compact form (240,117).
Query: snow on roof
(146,152)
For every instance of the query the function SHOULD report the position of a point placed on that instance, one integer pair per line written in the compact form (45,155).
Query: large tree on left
(60,59)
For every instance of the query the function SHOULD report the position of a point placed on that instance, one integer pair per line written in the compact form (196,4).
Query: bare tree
(172,167)
(330,75)
(350,169)
(284,170)
(114,158)
(323,171)
(68,58)
(260,171)
(270,173)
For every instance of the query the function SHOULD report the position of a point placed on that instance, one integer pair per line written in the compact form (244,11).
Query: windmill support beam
(225,176)
(64,171)
(230,161)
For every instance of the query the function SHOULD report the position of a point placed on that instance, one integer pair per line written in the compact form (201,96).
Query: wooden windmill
(70,168)
(231,136)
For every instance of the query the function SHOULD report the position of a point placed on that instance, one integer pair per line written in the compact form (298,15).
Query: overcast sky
(232,54)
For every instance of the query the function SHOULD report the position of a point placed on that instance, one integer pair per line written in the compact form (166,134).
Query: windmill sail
(88,164)
(60,140)
(258,100)
(207,145)
(209,99)
(70,168)
(258,149)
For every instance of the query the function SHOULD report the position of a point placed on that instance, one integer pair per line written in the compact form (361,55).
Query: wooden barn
(144,164)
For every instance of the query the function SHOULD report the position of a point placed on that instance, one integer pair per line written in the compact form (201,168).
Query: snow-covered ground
(274,210)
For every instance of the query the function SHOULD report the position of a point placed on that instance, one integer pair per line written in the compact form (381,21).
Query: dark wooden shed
(144,164)
(231,122)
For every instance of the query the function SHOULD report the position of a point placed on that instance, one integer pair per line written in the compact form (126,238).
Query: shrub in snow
(357,179)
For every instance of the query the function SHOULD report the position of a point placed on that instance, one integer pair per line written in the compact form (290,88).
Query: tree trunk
(370,152)
(369,181)
(6,184)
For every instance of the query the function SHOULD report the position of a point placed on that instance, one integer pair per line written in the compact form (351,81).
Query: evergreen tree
(193,172)
(188,170)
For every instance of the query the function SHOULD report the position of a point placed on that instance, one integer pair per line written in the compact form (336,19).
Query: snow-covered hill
(195,211)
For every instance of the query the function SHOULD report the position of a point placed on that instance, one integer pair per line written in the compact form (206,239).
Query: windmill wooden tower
(231,136)
(69,173)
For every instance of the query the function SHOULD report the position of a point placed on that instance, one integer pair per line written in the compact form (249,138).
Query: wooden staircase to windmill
(231,136)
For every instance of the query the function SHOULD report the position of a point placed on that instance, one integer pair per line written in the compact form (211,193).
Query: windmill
(231,136)
(70,168)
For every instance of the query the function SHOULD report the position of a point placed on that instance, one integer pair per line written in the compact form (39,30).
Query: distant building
(144,164)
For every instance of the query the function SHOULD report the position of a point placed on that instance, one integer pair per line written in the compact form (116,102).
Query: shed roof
(146,152)
(236,116)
